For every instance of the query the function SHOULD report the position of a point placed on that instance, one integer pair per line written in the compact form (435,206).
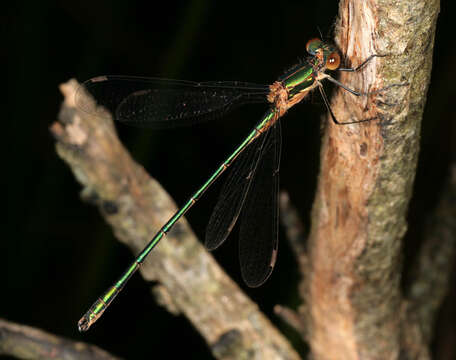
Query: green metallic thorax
(298,79)
(301,77)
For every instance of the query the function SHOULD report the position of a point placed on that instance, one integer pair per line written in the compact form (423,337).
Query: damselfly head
(326,53)
(313,45)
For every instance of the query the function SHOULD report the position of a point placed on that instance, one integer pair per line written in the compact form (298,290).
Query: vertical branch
(366,180)
(431,275)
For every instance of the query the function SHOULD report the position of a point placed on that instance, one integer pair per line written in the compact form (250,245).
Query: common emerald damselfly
(252,187)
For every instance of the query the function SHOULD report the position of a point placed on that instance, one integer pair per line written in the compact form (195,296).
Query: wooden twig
(294,228)
(432,272)
(297,238)
(136,206)
(293,319)
(366,180)
(26,342)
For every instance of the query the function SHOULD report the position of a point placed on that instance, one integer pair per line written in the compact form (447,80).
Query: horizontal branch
(26,342)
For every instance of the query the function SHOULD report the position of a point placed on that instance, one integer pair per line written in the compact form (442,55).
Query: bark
(366,179)
(431,275)
(26,342)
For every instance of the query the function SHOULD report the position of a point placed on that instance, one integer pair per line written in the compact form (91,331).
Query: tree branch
(26,342)
(432,271)
(296,237)
(366,179)
(294,227)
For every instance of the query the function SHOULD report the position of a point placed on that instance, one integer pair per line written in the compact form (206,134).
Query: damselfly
(251,189)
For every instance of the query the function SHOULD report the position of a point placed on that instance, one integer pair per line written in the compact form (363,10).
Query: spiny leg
(362,64)
(333,117)
(359,67)
(359,93)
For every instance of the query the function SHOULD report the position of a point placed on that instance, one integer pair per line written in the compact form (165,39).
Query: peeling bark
(26,342)
(366,178)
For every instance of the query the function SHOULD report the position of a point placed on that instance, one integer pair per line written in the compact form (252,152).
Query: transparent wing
(251,192)
(258,235)
(233,194)
(162,103)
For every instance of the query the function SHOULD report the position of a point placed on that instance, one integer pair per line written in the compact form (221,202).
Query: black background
(57,252)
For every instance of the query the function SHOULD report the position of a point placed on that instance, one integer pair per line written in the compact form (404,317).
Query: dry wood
(366,179)
(26,342)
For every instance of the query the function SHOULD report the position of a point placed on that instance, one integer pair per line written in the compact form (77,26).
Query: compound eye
(313,45)
(333,61)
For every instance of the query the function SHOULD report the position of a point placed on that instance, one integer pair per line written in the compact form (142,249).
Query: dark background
(57,252)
